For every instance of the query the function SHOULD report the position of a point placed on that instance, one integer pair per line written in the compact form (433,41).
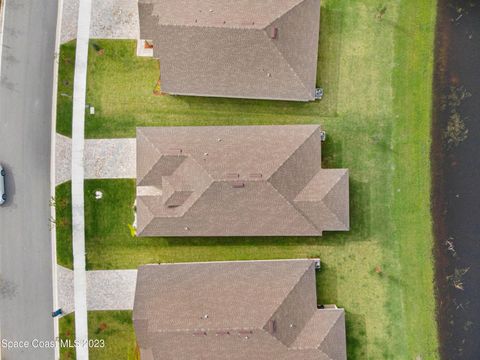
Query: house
(257,49)
(240,310)
(237,181)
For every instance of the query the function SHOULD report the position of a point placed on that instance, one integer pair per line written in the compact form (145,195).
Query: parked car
(3,192)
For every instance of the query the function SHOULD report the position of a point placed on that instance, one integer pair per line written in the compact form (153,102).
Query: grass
(63,224)
(65,88)
(411,179)
(110,332)
(376,68)
(66,334)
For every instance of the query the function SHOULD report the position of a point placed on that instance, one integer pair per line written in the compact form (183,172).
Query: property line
(78,219)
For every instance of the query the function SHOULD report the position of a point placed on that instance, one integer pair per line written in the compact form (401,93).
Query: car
(3,192)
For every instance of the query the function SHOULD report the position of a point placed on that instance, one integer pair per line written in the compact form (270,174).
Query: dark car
(3,193)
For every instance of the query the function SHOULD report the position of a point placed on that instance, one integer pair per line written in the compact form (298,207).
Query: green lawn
(377,73)
(63,223)
(111,333)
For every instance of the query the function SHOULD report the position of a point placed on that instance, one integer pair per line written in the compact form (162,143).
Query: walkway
(104,159)
(106,289)
(111,19)
(78,220)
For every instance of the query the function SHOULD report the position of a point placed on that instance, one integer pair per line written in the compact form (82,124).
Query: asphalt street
(27,66)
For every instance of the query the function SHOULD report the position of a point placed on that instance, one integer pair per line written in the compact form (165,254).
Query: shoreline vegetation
(375,65)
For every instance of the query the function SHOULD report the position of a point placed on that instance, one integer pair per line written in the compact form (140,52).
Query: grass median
(375,63)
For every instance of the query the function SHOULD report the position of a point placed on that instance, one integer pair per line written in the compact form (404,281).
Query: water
(456,177)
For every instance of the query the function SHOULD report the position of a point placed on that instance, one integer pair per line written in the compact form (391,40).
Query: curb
(2,22)
(53,233)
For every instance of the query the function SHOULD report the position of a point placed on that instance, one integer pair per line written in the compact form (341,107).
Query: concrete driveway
(111,19)
(104,159)
(106,289)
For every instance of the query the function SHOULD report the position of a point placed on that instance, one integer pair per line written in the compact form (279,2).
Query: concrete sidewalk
(104,159)
(106,289)
(78,211)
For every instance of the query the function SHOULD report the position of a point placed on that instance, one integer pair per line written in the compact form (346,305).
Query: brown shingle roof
(235,48)
(237,181)
(242,310)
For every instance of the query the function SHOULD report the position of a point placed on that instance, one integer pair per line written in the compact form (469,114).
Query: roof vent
(245,332)
(220,333)
(233,175)
(272,326)
(273,33)
(256,175)
(238,184)
(200,333)
(176,150)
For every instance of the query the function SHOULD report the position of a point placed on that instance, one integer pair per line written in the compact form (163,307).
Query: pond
(456,177)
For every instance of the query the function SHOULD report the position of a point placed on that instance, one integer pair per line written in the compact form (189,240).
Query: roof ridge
(285,13)
(288,63)
(214,27)
(324,196)
(288,293)
(154,148)
(293,205)
(326,333)
(288,201)
(277,339)
(328,192)
(330,328)
(150,214)
(207,329)
(327,356)
(205,189)
(330,189)
(295,150)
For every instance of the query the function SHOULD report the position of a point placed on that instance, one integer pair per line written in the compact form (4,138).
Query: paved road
(25,124)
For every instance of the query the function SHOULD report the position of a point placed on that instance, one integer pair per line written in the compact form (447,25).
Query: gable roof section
(237,181)
(235,48)
(222,310)
(325,331)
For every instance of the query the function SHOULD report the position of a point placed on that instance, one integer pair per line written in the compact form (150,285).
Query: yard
(375,64)
(112,332)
